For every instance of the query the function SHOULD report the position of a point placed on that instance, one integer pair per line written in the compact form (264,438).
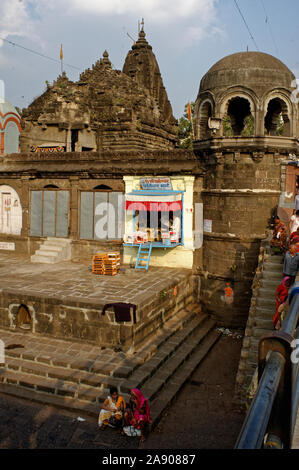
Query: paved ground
(75,281)
(202,417)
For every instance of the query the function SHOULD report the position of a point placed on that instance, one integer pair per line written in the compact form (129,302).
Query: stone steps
(274,259)
(177,350)
(264,323)
(260,332)
(268,284)
(178,380)
(265,312)
(266,302)
(83,383)
(273,267)
(53,250)
(260,318)
(44,259)
(267,293)
(273,276)
(157,381)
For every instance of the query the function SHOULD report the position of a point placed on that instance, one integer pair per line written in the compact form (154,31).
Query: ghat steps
(80,378)
(53,250)
(259,322)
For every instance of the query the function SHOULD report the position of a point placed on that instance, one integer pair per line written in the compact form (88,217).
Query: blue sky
(187,36)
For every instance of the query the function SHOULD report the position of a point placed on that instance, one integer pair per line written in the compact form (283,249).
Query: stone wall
(241,192)
(84,171)
(82,321)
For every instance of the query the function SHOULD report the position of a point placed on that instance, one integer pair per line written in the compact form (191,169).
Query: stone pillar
(129,183)
(68,142)
(24,194)
(74,204)
(259,121)
(188,212)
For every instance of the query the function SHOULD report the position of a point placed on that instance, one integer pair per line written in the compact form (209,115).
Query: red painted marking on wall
(17,122)
(2,143)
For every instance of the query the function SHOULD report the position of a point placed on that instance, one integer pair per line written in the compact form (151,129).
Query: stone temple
(105,110)
(110,140)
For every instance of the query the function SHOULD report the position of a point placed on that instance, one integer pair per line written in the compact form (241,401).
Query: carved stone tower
(246,125)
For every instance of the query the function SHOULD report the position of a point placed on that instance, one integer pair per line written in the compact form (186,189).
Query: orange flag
(61,53)
(189,111)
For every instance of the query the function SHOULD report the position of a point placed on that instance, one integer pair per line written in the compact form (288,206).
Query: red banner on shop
(154,206)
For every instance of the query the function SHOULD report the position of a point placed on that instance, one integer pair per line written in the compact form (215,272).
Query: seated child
(112,410)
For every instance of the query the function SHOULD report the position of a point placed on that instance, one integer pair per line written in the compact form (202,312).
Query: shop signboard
(7,246)
(156,183)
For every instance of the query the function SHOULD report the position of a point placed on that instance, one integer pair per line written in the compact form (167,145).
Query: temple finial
(105,59)
(141,36)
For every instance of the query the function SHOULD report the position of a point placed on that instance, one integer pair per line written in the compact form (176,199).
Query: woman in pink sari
(138,417)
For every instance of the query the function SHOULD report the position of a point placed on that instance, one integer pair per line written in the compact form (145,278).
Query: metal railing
(271,419)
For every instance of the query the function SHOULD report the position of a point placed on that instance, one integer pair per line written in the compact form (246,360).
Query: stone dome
(252,69)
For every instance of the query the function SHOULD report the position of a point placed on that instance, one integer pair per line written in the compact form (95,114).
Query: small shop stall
(157,218)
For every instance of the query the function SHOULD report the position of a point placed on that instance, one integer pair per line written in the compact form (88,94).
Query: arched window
(205,114)
(51,186)
(10,211)
(277,120)
(11,138)
(238,120)
(103,187)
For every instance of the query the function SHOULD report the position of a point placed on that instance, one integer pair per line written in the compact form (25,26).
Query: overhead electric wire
(270,29)
(242,16)
(38,53)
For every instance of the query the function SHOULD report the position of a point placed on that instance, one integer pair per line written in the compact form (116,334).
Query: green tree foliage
(280,125)
(248,127)
(185,137)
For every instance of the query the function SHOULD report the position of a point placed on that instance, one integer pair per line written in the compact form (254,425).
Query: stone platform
(77,376)
(65,300)
(72,354)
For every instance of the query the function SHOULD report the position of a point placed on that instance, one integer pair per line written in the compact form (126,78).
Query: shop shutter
(62,214)
(36,213)
(49,213)
(101,216)
(86,218)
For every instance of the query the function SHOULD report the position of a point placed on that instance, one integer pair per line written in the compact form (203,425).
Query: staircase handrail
(271,419)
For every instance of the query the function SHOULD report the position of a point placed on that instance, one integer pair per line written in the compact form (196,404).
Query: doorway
(24,318)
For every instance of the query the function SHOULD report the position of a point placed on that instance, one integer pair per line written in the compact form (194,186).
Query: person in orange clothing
(279,238)
(112,410)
